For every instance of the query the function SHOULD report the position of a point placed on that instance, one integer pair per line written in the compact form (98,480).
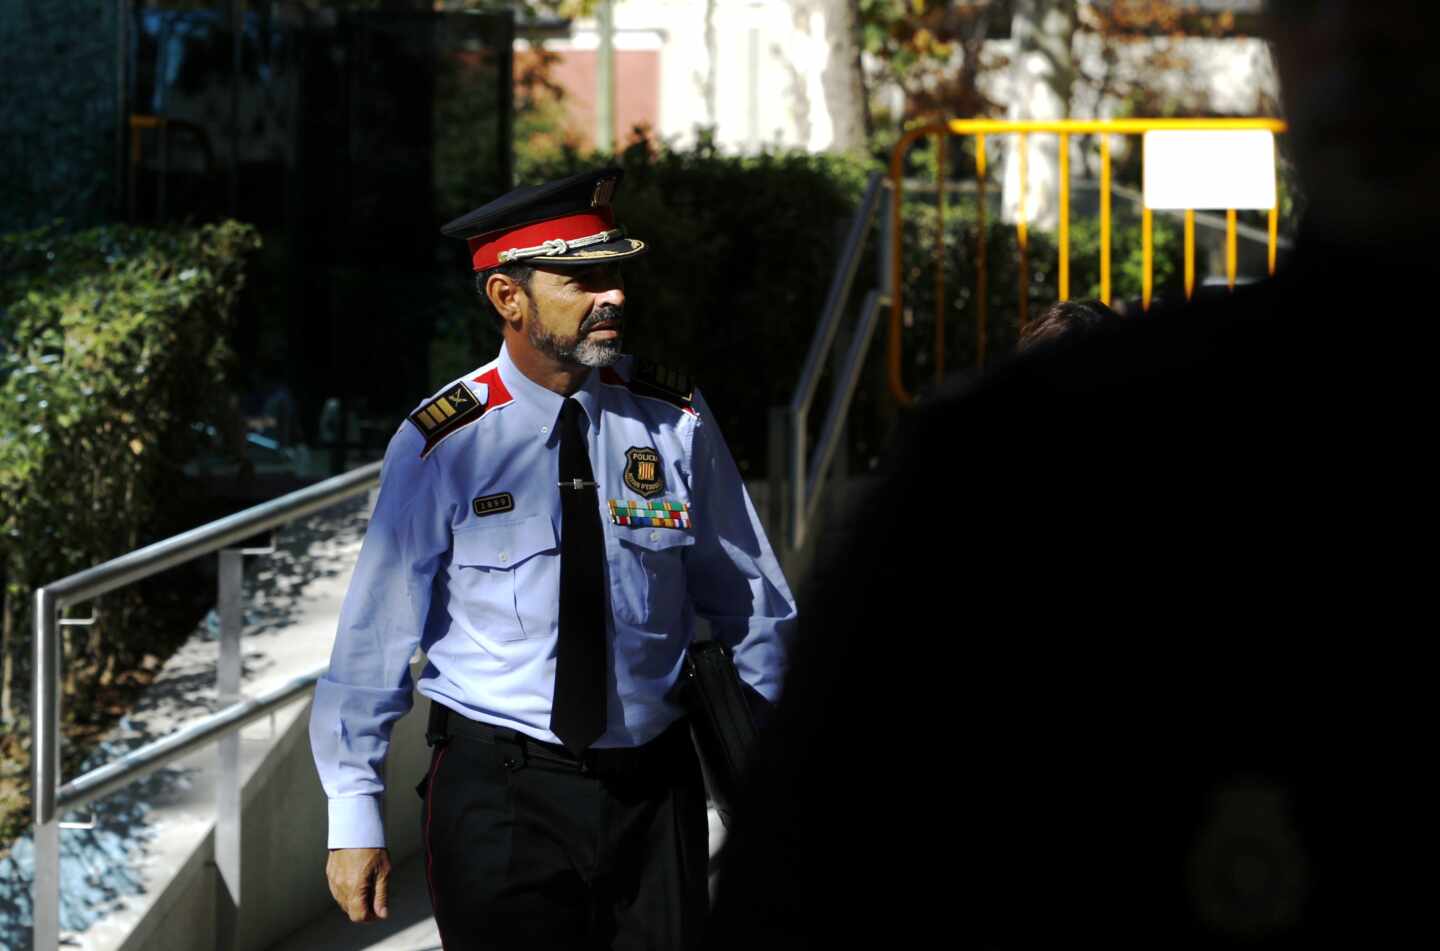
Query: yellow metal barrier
(1064,128)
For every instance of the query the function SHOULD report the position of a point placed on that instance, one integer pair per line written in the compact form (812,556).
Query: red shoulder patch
(498,395)
(458,407)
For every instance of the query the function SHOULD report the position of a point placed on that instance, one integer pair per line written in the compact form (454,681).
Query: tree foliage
(113,366)
(1139,41)
(934,53)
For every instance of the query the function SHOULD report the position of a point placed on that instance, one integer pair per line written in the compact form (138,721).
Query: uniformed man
(548,528)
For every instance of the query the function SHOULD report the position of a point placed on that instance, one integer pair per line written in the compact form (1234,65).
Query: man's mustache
(604,314)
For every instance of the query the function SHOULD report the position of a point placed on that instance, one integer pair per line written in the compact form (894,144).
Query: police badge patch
(643,472)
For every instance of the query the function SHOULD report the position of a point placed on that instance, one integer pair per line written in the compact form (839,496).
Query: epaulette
(446,413)
(649,378)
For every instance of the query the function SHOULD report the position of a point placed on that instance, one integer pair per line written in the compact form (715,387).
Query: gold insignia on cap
(604,189)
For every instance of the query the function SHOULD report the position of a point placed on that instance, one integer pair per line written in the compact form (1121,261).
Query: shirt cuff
(356,823)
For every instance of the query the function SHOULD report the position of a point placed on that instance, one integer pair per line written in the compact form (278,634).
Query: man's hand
(360,882)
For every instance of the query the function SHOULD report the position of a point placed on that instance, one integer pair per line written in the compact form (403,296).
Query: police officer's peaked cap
(568,223)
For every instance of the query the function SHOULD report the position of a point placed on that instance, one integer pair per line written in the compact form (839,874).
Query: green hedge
(112,374)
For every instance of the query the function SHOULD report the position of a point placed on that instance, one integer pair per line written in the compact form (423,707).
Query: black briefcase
(723,719)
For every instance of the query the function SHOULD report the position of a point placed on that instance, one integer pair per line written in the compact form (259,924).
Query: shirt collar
(544,403)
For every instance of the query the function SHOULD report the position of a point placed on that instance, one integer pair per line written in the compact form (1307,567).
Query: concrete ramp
(167,850)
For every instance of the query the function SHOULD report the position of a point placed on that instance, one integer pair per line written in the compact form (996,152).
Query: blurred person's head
(1359,82)
(1065,319)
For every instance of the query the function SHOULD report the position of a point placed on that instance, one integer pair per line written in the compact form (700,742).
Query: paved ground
(136,839)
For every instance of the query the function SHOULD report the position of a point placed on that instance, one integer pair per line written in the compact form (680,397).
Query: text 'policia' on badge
(643,471)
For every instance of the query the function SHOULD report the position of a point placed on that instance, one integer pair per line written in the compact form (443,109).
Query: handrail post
(795,424)
(227,789)
(45,762)
(777,505)
(885,250)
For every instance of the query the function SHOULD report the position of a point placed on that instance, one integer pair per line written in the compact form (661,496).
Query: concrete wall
(283,829)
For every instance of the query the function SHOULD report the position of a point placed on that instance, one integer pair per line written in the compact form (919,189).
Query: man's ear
(506,296)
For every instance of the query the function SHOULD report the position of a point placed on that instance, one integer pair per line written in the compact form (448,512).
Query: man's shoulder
(455,406)
(653,382)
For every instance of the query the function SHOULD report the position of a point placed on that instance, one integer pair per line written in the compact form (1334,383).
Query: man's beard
(580,349)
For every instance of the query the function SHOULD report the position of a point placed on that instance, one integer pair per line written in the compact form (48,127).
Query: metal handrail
(839,292)
(807,471)
(187,546)
(49,797)
(110,777)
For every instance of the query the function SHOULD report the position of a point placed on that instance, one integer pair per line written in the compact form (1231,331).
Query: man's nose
(613,295)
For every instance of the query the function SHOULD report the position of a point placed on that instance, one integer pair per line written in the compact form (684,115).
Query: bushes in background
(112,374)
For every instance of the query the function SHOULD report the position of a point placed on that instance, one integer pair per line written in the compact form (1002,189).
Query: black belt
(520,749)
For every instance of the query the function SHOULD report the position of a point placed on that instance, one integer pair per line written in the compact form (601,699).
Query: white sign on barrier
(1212,170)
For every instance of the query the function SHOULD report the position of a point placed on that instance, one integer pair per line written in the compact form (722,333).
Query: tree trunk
(712,54)
(1042,75)
(843,82)
(828,109)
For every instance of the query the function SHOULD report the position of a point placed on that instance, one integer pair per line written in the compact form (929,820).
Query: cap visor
(617,250)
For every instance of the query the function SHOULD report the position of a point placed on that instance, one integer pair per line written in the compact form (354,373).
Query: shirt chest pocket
(504,579)
(649,581)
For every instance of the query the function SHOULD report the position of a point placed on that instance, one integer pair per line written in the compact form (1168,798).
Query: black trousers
(527,847)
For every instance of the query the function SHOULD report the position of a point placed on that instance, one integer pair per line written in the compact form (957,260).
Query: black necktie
(577,715)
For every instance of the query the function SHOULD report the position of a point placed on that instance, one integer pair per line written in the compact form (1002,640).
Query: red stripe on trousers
(429,852)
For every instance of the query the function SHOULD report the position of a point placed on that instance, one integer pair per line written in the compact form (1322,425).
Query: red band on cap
(485,249)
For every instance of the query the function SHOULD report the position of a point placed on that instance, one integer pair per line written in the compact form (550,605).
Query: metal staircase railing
(797,476)
(51,799)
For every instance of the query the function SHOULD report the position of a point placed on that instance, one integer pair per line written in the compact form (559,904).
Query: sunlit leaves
(112,343)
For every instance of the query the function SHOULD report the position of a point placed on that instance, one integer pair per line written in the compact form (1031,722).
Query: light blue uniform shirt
(479,593)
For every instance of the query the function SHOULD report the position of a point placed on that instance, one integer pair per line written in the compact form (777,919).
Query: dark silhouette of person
(1126,648)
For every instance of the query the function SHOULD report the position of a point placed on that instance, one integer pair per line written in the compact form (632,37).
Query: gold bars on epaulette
(655,514)
(444,413)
